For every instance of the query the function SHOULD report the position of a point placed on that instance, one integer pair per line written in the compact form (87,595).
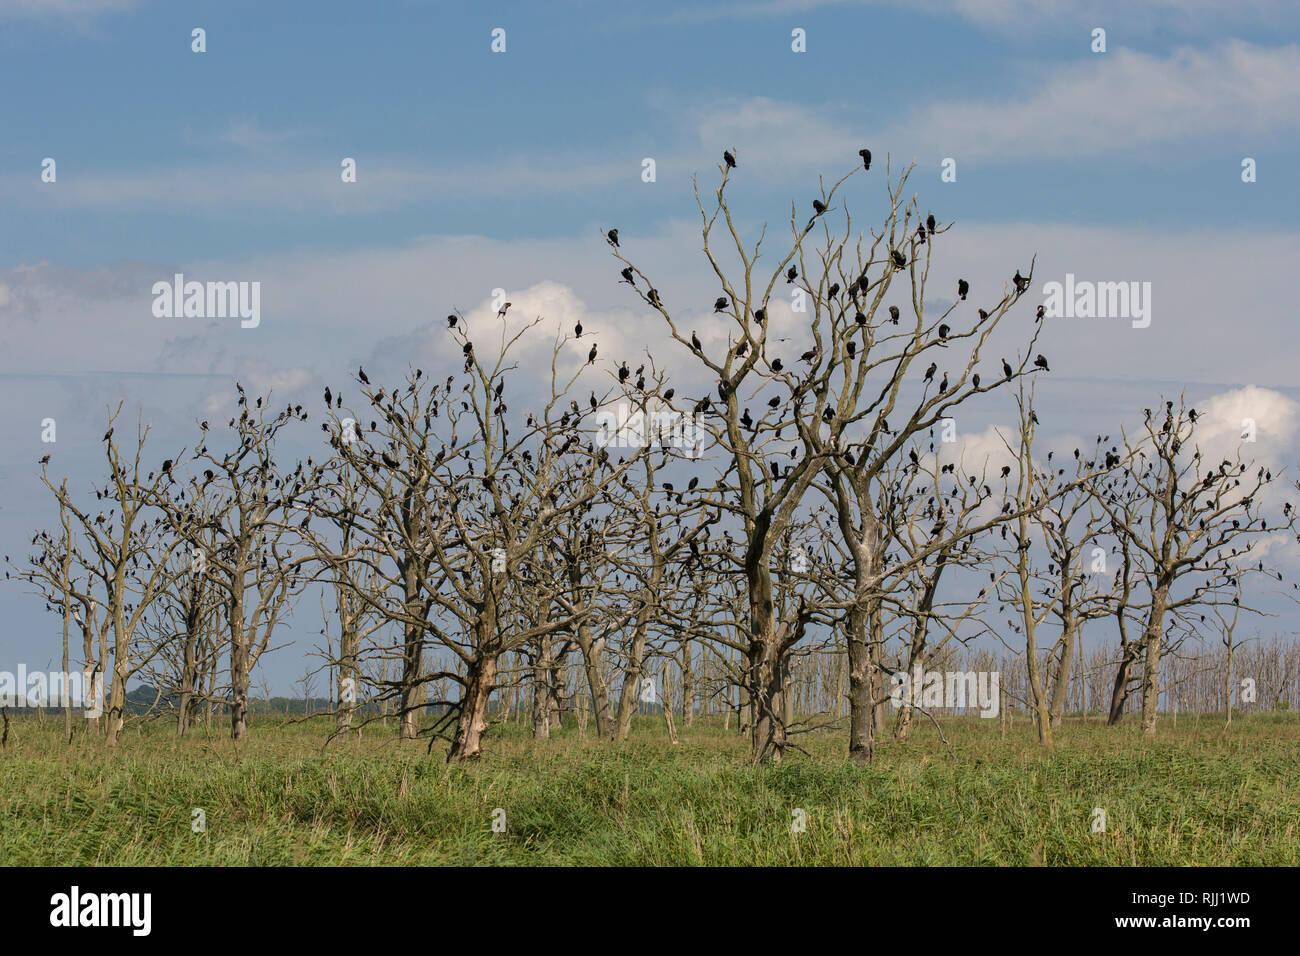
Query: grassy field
(1196,796)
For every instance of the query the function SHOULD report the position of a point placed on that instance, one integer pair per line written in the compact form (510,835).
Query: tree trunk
(472,723)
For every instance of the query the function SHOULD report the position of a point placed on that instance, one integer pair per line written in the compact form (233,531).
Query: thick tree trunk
(1061,679)
(1152,645)
(472,723)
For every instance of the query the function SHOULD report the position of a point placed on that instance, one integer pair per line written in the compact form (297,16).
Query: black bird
(1041,362)
(746,420)
(594,403)
(627,275)
(983,315)
(975,379)
(1021,282)
(791,274)
(1006,470)
(501,312)
(776,365)
(729,159)
(899,260)
(612,238)
(577,329)
(1038,316)
(720,303)
(1006,368)
(828,415)
(962,288)
(866,158)
(771,402)
(744,347)
(623,373)
(668,395)
(929,223)
(808,356)
(760,316)
(361,374)
(833,291)
(653,297)
(45,460)
(929,372)
(943,332)
(328,397)
(851,347)
(695,342)
(108,434)
(591,356)
(451,321)
(943,385)
(893,314)
(388,459)
(468,349)
(860,318)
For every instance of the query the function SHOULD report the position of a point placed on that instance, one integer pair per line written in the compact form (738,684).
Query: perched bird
(623,373)
(929,372)
(612,238)
(943,385)
(828,415)
(771,403)
(776,365)
(866,158)
(975,379)
(1038,316)
(899,259)
(695,342)
(501,312)
(808,356)
(962,288)
(833,291)
(652,296)
(791,274)
(729,159)
(468,349)
(108,434)
(720,303)
(627,275)
(760,316)
(1021,282)
(860,318)
(361,374)
(1006,368)
(943,332)
(1041,362)
(328,397)
(451,321)
(851,347)
(591,356)
(668,395)
(929,223)
(577,329)
(893,314)
(45,459)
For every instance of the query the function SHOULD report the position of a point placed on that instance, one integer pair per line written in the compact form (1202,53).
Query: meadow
(1197,795)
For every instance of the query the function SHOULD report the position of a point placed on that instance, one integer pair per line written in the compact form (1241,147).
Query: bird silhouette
(695,341)
(929,372)
(451,321)
(943,332)
(612,238)
(899,259)
(930,223)
(720,303)
(893,314)
(866,158)
(1006,368)
(501,312)
(791,274)
(729,159)
(591,356)
(577,329)
(1041,362)
(760,316)
(361,374)
(962,288)
(627,276)
(328,397)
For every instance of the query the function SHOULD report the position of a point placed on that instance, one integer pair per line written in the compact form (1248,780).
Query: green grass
(1195,796)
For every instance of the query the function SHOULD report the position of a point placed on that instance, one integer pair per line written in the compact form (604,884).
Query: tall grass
(1195,796)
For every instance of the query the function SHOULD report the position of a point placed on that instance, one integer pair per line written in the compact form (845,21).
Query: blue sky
(478,170)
